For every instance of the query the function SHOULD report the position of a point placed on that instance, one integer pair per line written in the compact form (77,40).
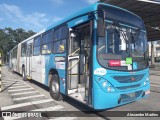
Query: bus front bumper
(103,100)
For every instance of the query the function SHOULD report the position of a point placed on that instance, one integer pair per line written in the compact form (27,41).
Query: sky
(37,14)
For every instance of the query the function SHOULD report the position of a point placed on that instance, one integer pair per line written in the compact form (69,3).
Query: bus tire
(54,87)
(24,77)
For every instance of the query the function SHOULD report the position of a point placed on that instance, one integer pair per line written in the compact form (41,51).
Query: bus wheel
(55,87)
(24,74)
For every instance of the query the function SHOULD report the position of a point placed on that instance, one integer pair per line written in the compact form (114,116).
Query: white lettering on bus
(79,21)
(100,71)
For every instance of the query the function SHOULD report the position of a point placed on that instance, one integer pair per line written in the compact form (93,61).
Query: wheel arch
(21,69)
(52,71)
(23,65)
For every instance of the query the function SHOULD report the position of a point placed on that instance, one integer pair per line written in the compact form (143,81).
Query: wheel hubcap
(55,87)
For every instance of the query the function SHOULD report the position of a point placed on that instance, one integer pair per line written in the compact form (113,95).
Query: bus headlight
(105,84)
(109,89)
(146,81)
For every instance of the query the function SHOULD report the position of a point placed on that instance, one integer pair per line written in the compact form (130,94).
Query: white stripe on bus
(25,104)
(22,93)
(23,98)
(20,89)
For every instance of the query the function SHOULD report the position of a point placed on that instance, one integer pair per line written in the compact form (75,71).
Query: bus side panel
(14,59)
(14,63)
(37,68)
(43,68)
(18,57)
(22,62)
(48,65)
(59,66)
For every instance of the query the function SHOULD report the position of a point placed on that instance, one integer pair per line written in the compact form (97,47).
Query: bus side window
(59,45)
(37,46)
(14,53)
(23,49)
(29,53)
(47,40)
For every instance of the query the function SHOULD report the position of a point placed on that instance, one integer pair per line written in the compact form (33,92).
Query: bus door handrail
(70,58)
(73,65)
(74,52)
(73,57)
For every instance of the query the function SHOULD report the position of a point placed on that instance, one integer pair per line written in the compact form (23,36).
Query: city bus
(97,56)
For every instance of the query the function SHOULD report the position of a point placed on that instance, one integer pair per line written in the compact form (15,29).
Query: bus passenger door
(78,62)
(73,63)
(29,59)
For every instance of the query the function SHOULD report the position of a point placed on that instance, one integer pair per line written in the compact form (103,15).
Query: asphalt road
(32,96)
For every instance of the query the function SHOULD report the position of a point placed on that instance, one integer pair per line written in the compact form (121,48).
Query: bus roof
(90,8)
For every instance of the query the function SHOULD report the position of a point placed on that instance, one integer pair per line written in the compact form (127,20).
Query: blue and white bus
(98,56)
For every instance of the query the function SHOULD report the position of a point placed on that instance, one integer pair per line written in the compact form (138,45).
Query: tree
(10,38)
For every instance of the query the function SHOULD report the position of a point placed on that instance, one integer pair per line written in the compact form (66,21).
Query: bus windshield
(122,42)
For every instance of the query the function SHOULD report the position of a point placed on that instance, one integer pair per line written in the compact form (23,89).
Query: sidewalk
(5,98)
(156,68)
(154,76)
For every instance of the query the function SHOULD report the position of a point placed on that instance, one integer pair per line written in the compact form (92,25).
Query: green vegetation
(10,38)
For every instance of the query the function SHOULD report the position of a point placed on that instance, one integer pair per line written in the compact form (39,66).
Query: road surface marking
(22,93)
(65,118)
(26,104)
(14,84)
(23,98)
(20,89)
(153,85)
(57,107)
(11,81)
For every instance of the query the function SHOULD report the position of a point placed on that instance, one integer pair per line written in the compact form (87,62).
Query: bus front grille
(128,87)
(128,79)
(130,96)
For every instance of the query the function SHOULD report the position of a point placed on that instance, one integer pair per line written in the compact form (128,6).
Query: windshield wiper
(136,36)
(116,24)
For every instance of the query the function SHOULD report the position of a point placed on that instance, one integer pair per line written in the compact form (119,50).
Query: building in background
(156,50)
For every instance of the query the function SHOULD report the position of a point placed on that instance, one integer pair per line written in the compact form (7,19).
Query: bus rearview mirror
(101,27)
